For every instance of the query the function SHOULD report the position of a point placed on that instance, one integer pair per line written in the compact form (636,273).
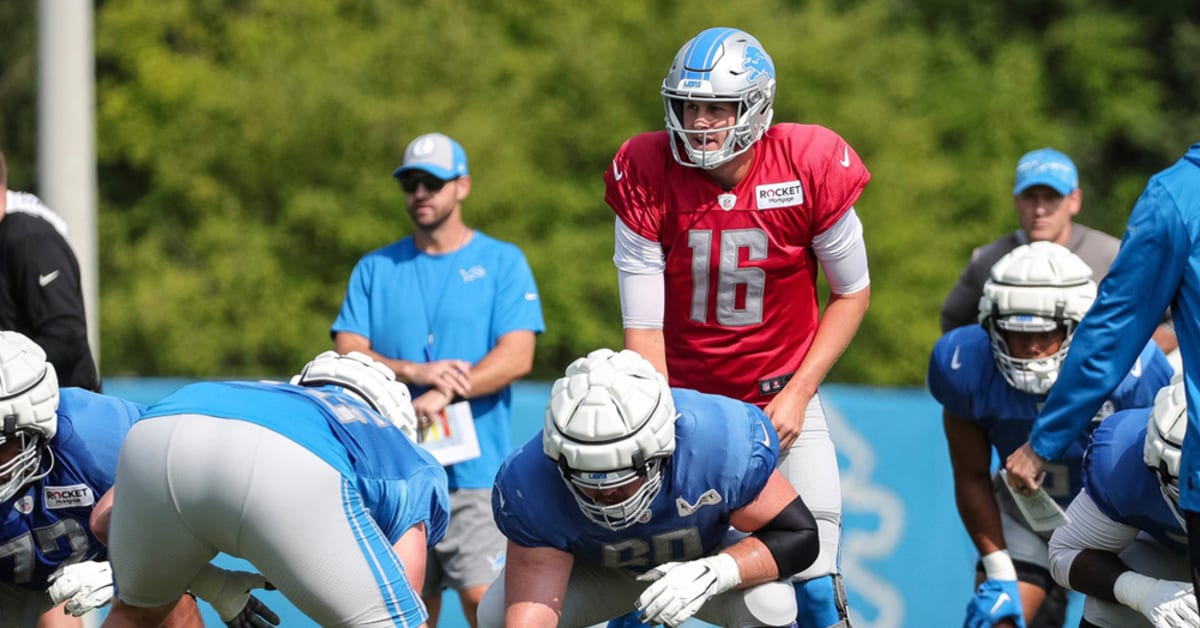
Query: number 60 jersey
(741,275)
(46,524)
(963,378)
(724,452)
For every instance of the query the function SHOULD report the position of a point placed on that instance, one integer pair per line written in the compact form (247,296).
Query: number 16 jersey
(741,276)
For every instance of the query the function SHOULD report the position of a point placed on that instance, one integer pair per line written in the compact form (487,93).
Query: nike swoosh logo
(954,363)
(617,174)
(766,441)
(845,157)
(999,602)
(44,280)
(1136,371)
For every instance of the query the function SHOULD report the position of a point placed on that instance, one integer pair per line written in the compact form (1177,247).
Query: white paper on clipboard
(451,437)
(1040,510)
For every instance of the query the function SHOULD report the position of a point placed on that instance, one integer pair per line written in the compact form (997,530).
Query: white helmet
(365,378)
(720,65)
(611,421)
(28,409)
(1036,287)
(1164,437)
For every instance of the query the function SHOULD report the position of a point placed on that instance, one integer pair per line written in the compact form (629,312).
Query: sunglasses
(413,178)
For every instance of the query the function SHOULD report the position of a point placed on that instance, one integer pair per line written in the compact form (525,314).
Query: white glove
(1166,603)
(85,586)
(229,594)
(680,589)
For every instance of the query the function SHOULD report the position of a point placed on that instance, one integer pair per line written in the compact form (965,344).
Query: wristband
(999,566)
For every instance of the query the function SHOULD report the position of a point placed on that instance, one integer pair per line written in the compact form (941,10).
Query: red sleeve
(632,182)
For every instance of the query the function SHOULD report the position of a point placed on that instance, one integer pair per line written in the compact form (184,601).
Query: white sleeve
(640,266)
(1088,528)
(843,255)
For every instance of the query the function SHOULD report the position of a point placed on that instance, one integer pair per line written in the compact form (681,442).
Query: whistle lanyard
(447,275)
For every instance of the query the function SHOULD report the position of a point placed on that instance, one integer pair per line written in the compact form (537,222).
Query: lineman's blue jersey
(1122,486)
(963,378)
(46,524)
(401,483)
(725,450)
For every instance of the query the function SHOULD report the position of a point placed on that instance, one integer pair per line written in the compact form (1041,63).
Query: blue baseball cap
(436,154)
(1046,166)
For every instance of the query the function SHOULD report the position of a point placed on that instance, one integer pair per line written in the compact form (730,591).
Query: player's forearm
(344,342)
(650,344)
(979,513)
(835,331)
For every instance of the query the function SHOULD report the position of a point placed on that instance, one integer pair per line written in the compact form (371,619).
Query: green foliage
(245,146)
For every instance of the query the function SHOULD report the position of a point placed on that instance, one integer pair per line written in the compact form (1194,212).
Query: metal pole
(67,135)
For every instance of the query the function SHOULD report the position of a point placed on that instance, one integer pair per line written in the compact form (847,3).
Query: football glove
(678,590)
(995,600)
(229,594)
(1166,603)
(84,586)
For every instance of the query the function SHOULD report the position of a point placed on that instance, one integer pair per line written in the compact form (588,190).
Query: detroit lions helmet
(1164,437)
(1035,288)
(611,421)
(368,380)
(28,408)
(720,65)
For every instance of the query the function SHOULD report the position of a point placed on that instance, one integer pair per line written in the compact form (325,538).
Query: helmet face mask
(1035,289)
(719,65)
(610,427)
(615,499)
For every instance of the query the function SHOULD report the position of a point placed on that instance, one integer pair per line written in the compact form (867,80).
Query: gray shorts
(20,607)
(472,552)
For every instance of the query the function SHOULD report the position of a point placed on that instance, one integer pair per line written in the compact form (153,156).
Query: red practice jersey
(741,276)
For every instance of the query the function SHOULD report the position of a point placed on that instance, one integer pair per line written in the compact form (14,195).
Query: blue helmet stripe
(702,50)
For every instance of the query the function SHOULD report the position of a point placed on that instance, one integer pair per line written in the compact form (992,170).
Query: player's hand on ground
(993,602)
(678,590)
(84,586)
(255,614)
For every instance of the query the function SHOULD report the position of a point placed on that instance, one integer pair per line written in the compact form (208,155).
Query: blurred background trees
(245,146)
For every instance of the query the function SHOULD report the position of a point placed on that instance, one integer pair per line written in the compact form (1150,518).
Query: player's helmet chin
(610,423)
(1035,288)
(28,409)
(368,380)
(1164,437)
(719,65)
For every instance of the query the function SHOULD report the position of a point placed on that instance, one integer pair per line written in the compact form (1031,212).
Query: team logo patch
(726,201)
(472,273)
(72,496)
(710,498)
(24,505)
(784,194)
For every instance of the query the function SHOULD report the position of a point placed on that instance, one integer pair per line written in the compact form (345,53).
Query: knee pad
(769,604)
(821,603)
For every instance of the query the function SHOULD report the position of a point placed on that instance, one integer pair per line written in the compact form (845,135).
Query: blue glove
(995,600)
